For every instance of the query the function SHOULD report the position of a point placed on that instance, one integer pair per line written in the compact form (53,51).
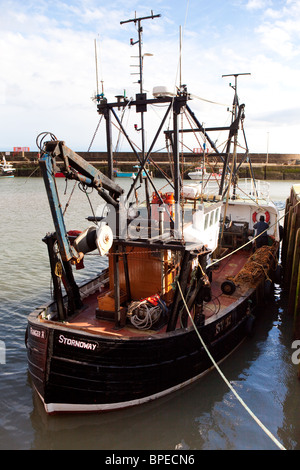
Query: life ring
(267,216)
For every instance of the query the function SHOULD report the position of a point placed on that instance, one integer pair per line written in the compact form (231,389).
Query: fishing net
(258,266)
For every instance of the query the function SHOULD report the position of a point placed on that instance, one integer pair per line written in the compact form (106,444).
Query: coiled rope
(262,426)
(142,315)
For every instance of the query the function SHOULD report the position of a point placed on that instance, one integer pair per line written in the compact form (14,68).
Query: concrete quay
(265,166)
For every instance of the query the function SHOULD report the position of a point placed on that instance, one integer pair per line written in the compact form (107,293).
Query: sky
(49,50)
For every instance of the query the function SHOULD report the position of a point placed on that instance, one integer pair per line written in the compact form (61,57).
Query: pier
(291,257)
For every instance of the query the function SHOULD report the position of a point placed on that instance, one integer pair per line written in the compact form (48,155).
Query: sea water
(205,415)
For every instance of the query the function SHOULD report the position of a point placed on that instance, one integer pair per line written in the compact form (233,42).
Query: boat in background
(181,264)
(6,168)
(123,174)
(127,174)
(200,174)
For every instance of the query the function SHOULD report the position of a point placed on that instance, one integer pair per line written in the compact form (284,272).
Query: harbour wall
(290,259)
(265,166)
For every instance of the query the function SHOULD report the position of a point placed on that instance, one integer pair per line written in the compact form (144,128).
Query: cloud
(279,30)
(257,4)
(48,75)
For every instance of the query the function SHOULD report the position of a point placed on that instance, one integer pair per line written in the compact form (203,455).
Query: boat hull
(124,174)
(75,371)
(7,175)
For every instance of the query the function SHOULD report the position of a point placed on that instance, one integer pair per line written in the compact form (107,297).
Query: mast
(233,132)
(141,96)
(175,104)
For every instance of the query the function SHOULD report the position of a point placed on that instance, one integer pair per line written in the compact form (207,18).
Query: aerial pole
(233,131)
(139,41)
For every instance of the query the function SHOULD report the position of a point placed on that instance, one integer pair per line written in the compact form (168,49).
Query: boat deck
(87,321)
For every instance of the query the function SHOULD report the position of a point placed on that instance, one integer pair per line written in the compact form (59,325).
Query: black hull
(74,371)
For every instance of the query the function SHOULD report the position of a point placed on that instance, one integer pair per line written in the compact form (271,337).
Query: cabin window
(206,221)
(217,214)
(211,219)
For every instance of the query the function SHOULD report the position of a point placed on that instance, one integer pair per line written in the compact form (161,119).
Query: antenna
(235,75)
(139,41)
(98,95)
(142,96)
(234,117)
(180,55)
(96,63)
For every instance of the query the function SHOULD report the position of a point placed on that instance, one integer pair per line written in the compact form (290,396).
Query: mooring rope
(262,426)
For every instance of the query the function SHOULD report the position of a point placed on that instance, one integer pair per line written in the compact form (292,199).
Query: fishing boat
(123,174)
(183,275)
(127,174)
(6,168)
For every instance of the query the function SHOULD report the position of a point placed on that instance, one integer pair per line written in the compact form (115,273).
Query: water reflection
(205,415)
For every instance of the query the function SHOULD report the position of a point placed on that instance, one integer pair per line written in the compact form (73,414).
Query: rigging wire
(83,188)
(225,379)
(96,130)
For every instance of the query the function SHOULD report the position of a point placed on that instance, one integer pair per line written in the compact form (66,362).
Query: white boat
(6,168)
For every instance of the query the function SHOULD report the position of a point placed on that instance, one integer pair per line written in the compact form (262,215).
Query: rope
(69,200)
(142,315)
(281,447)
(209,101)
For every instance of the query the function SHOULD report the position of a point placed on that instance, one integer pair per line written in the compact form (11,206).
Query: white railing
(253,189)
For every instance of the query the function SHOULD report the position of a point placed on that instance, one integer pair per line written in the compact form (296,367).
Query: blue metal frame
(46,165)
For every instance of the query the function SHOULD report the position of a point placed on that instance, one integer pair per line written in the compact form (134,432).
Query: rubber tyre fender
(228,287)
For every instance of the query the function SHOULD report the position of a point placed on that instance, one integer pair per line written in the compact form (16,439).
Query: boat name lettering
(37,333)
(76,343)
(223,324)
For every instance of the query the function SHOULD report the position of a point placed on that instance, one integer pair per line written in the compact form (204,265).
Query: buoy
(169,200)
(155,203)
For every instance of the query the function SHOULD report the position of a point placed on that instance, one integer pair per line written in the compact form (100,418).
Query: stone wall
(271,166)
